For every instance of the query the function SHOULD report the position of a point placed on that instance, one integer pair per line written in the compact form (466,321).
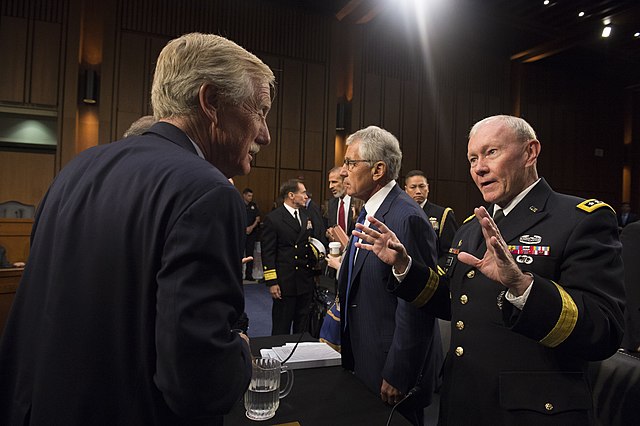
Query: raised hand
(497,263)
(383,243)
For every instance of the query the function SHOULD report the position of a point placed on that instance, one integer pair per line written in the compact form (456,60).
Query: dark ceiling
(535,31)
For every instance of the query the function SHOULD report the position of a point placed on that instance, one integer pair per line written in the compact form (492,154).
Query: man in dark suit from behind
(391,346)
(442,219)
(124,313)
(630,238)
(288,260)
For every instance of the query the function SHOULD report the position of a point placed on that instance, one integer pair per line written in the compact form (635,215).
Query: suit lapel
(289,220)
(380,215)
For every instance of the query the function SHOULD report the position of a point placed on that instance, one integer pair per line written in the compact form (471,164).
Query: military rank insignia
(592,205)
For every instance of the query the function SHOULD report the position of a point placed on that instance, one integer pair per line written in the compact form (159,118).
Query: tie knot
(498,215)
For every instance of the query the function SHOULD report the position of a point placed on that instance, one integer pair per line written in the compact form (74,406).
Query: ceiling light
(606,31)
(636,35)
(546,2)
(607,21)
(581,14)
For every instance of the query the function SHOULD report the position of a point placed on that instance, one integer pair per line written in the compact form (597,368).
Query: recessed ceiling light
(606,32)
(546,2)
(636,35)
(581,14)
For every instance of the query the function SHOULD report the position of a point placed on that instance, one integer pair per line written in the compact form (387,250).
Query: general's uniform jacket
(445,226)
(512,367)
(287,257)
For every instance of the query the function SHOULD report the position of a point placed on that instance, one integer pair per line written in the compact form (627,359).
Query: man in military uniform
(531,299)
(253,220)
(288,260)
(441,218)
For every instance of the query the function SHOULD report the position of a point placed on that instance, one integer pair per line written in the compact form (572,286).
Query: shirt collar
(373,204)
(510,206)
(290,209)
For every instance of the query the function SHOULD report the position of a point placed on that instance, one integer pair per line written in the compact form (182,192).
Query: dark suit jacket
(287,258)
(332,214)
(630,238)
(319,228)
(125,306)
(505,365)
(444,224)
(632,217)
(386,337)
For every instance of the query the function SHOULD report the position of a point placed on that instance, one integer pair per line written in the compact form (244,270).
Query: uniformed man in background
(441,218)
(288,260)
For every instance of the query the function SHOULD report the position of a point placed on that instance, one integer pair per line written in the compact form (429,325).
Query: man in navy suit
(393,347)
(288,260)
(124,313)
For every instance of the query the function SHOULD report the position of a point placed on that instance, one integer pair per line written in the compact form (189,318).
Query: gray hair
(187,62)
(523,130)
(377,144)
(140,126)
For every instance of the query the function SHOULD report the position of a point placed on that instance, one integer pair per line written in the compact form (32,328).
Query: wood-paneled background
(427,90)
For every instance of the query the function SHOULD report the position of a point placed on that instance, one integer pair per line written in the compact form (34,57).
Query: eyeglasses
(352,163)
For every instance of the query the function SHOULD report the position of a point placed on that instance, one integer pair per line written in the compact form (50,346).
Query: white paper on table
(307,355)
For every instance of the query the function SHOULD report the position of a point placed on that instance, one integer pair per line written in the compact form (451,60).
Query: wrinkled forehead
(493,133)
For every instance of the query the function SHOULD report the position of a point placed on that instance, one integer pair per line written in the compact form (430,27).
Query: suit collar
(173,134)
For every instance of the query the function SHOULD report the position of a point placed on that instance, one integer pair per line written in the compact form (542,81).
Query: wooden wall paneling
(45,63)
(25,176)
(315,119)
(13,45)
(313,181)
(446,135)
(461,125)
(409,136)
(130,80)
(292,97)
(267,155)
(261,181)
(392,106)
(428,149)
(371,101)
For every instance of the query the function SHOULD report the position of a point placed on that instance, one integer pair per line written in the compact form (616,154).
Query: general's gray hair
(523,130)
(193,59)
(377,144)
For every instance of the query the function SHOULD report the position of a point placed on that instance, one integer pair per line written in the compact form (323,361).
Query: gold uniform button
(471,274)
(296,267)
(464,299)
(460,325)
(548,406)
(459,351)
(295,246)
(295,257)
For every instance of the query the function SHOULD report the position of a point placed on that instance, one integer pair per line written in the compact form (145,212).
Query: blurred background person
(253,222)
(442,219)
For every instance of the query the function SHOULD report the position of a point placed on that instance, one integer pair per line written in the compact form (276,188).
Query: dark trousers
(291,309)
(248,251)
